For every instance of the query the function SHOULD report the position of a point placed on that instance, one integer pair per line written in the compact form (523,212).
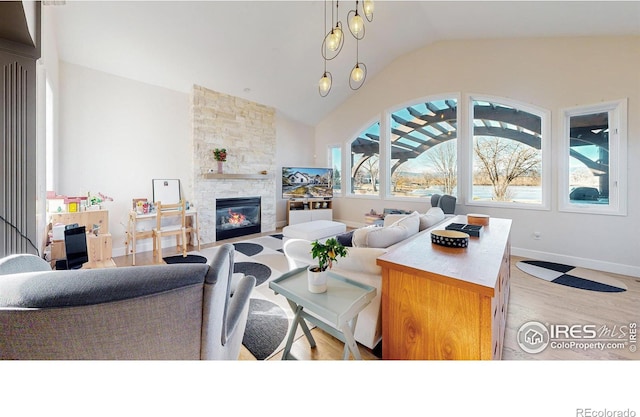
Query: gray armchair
(182,311)
(446,202)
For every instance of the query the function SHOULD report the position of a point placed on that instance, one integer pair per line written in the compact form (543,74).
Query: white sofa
(360,263)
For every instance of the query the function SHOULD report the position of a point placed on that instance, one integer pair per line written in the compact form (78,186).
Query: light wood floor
(531,299)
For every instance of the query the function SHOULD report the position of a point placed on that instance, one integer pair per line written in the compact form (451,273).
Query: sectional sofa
(366,245)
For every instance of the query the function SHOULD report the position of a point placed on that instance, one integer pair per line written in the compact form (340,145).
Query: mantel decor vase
(220,167)
(317,280)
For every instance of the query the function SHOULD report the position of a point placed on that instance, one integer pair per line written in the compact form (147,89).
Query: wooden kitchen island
(447,303)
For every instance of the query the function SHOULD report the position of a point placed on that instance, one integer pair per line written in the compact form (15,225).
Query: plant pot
(317,281)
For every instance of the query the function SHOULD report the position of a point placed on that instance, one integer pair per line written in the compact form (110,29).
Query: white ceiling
(269,51)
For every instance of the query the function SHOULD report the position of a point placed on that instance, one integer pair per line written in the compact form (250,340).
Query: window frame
(382,169)
(386,169)
(331,164)
(545,148)
(617,206)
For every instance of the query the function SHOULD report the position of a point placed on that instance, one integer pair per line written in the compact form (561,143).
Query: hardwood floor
(531,299)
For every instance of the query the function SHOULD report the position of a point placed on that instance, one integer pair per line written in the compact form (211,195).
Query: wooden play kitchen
(447,302)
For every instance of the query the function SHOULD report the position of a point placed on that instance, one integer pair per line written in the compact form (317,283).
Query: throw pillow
(386,236)
(410,222)
(345,239)
(359,239)
(383,237)
(431,217)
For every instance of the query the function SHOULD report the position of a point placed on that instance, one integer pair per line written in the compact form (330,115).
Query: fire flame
(236,218)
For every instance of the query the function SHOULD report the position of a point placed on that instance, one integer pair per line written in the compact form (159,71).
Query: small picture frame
(135,202)
(166,191)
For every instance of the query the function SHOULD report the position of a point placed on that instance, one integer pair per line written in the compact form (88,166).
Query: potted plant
(326,253)
(220,156)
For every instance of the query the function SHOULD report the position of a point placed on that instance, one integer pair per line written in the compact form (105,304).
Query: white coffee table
(335,311)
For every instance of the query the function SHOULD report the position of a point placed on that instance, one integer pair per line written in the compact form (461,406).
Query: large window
(509,142)
(335,162)
(593,166)
(365,162)
(423,156)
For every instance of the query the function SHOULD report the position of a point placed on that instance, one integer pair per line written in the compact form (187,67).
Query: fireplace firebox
(237,217)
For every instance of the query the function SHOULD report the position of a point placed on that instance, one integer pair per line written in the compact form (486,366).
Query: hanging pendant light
(324,85)
(329,44)
(337,30)
(367,9)
(356,23)
(358,72)
(334,40)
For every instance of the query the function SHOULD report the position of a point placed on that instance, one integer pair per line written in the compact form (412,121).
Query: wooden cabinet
(299,211)
(99,248)
(84,218)
(447,303)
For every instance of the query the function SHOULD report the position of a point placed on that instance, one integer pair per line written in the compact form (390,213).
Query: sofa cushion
(382,237)
(433,216)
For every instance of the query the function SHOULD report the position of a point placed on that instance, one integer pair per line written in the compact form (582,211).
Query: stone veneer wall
(247,130)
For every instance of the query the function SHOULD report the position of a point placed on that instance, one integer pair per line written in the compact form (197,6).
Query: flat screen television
(299,182)
(75,244)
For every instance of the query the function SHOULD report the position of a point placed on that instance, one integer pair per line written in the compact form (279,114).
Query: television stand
(311,209)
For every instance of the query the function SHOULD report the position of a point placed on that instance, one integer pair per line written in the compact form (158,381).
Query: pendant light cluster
(334,40)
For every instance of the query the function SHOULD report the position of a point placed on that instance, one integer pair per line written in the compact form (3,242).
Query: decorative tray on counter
(470,229)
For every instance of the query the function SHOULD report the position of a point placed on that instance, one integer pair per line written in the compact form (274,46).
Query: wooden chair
(165,211)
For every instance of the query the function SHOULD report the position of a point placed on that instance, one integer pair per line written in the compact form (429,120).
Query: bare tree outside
(398,181)
(444,159)
(372,167)
(502,161)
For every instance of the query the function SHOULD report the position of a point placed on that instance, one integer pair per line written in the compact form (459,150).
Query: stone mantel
(210,176)
(247,130)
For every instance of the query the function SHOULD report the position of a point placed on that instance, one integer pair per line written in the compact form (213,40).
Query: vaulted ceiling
(269,52)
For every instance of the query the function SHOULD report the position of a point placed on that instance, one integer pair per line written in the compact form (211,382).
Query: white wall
(552,73)
(294,147)
(116,135)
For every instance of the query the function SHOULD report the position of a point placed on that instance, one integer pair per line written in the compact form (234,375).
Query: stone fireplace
(237,217)
(247,131)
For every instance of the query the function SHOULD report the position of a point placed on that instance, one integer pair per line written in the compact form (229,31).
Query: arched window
(509,141)
(423,157)
(365,162)
(335,162)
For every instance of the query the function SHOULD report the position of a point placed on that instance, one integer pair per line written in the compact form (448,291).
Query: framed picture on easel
(166,191)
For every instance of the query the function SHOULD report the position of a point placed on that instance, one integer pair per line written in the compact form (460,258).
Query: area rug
(189,259)
(269,314)
(571,276)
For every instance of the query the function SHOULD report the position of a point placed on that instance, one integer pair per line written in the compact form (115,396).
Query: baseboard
(595,264)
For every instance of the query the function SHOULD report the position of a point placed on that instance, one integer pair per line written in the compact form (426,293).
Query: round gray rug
(267,327)
(249,249)
(189,259)
(260,271)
